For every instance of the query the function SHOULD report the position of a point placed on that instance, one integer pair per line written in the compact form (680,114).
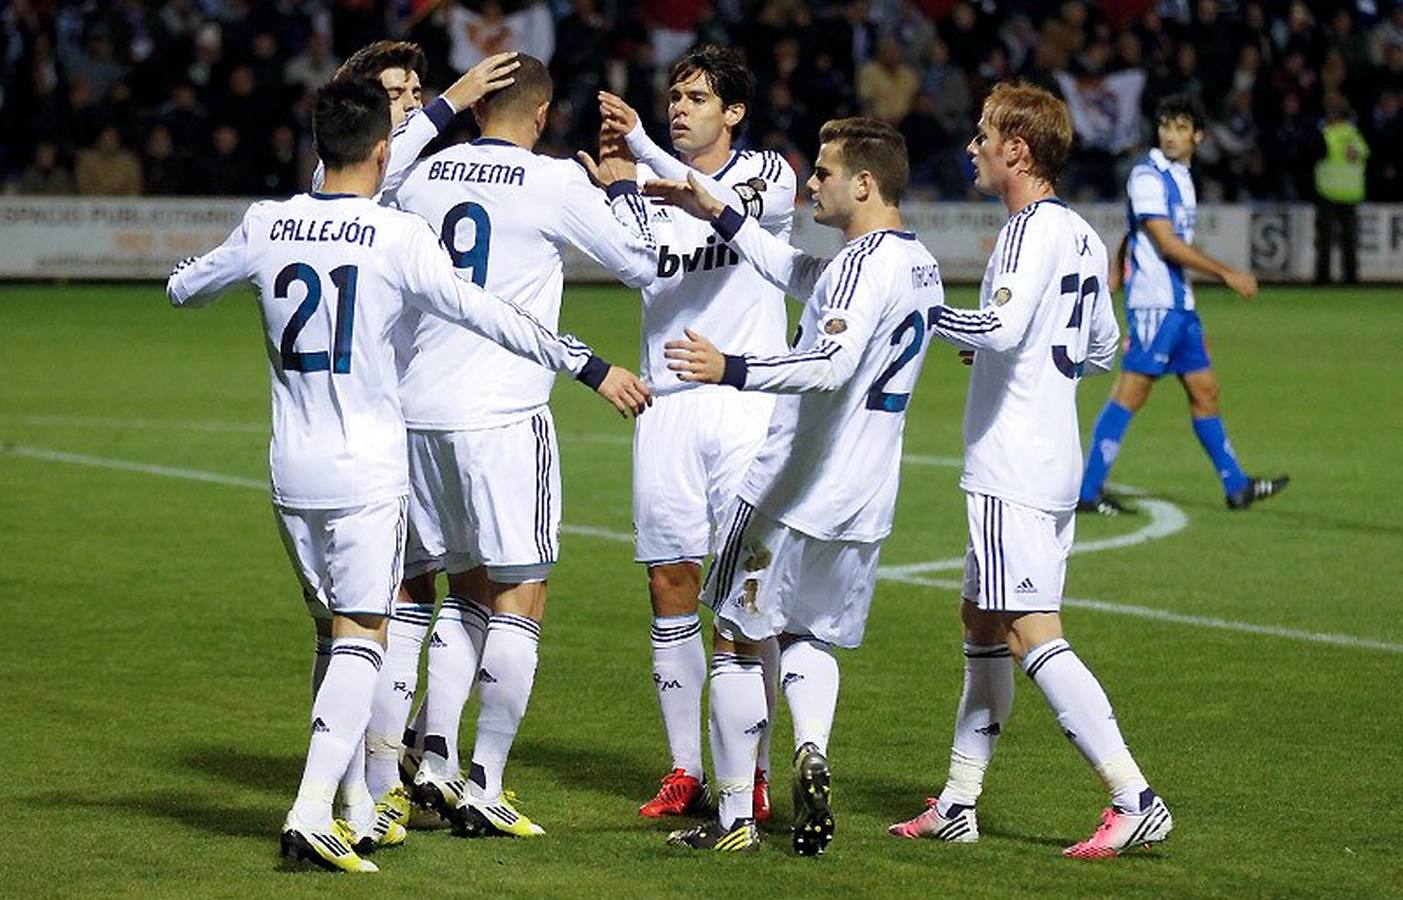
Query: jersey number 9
(474,258)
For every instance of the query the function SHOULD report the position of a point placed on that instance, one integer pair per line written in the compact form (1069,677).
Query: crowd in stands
(211,97)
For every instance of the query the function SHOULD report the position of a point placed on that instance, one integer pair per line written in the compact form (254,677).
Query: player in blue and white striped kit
(1165,333)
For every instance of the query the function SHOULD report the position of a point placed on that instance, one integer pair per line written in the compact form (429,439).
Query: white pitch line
(887,573)
(113,424)
(120,465)
(1164,615)
(1165,519)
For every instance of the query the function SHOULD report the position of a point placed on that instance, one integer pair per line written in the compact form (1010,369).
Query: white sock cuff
(723,663)
(1039,655)
(671,631)
(417,614)
(471,613)
(358,648)
(510,622)
(987,651)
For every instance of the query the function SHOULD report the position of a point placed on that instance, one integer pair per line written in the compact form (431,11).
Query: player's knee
(419,589)
(982,627)
(675,588)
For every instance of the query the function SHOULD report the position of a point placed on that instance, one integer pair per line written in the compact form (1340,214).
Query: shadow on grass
(200,813)
(277,772)
(593,768)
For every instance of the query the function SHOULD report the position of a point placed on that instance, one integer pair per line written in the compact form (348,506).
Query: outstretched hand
(688,196)
(615,161)
(619,118)
(626,391)
(492,74)
(695,359)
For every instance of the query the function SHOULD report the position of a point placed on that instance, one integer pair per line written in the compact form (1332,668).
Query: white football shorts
(691,451)
(1017,557)
(489,497)
(348,560)
(768,579)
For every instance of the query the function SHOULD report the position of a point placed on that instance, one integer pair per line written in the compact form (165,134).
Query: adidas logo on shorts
(318,726)
(1026,586)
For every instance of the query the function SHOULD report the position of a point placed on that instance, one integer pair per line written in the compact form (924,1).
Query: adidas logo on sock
(318,726)
(486,677)
(436,641)
(791,678)
(1026,586)
(991,730)
(758,727)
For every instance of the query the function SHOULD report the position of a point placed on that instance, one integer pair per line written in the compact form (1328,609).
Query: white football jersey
(831,462)
(1044,318)
(407,141)
(504,213)
(332,273)
(702,283)
(1159,189)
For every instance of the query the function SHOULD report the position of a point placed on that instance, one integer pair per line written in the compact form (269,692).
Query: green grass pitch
(156,653)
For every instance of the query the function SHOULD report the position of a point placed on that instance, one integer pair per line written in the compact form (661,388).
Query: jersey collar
(322,195)
(492,142)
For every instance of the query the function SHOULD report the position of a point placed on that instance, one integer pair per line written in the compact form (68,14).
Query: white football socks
(319,663)
(1086,718)
(357,805)
(809,677)
(339,716)
(769,664)
(454,652)
(394,694)
(985,703)
(505,677)
(737,719)
(679,671)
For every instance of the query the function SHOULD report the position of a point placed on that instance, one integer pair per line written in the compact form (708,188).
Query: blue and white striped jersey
(1158,189)
(505,213)
(702,283)
(831,462)
(333,273)
(1045,317)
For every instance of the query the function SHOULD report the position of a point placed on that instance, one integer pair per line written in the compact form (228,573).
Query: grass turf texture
(155,674)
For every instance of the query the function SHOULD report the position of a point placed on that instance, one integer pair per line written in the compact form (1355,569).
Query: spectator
(311,68)
(165,173)
(278,172)
(107,168)
(886,86)
(225,170)
(1385,135)
(1339,189)
(46,175)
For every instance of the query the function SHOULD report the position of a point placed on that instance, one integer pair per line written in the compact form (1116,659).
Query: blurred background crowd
(210,97)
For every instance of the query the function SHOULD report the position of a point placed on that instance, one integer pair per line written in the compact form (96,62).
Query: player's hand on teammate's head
(492,74)
(688,196)
(626,391)
(618,116)
(1245,283)
(695,358)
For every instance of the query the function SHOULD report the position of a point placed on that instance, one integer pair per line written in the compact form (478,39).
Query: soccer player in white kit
(333,272)
(1045,318)
(695,445)
(485,499)
(799,557)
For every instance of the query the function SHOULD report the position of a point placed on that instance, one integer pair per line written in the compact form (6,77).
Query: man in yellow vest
(1339,189)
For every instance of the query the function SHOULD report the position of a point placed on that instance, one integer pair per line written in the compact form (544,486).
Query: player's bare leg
(679,671)
(506,674)
(738,715)
(1240,489)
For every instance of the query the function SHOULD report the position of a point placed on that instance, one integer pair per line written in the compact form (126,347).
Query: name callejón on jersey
(712,255)
(477,172)
(323,231)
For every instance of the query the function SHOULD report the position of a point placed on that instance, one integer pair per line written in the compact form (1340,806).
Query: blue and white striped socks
(339,717)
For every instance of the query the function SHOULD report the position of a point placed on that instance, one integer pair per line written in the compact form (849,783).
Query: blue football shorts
(1165,341)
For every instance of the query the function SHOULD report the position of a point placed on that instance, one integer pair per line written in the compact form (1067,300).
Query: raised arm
(199,280)
(431,285)
(773,206)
